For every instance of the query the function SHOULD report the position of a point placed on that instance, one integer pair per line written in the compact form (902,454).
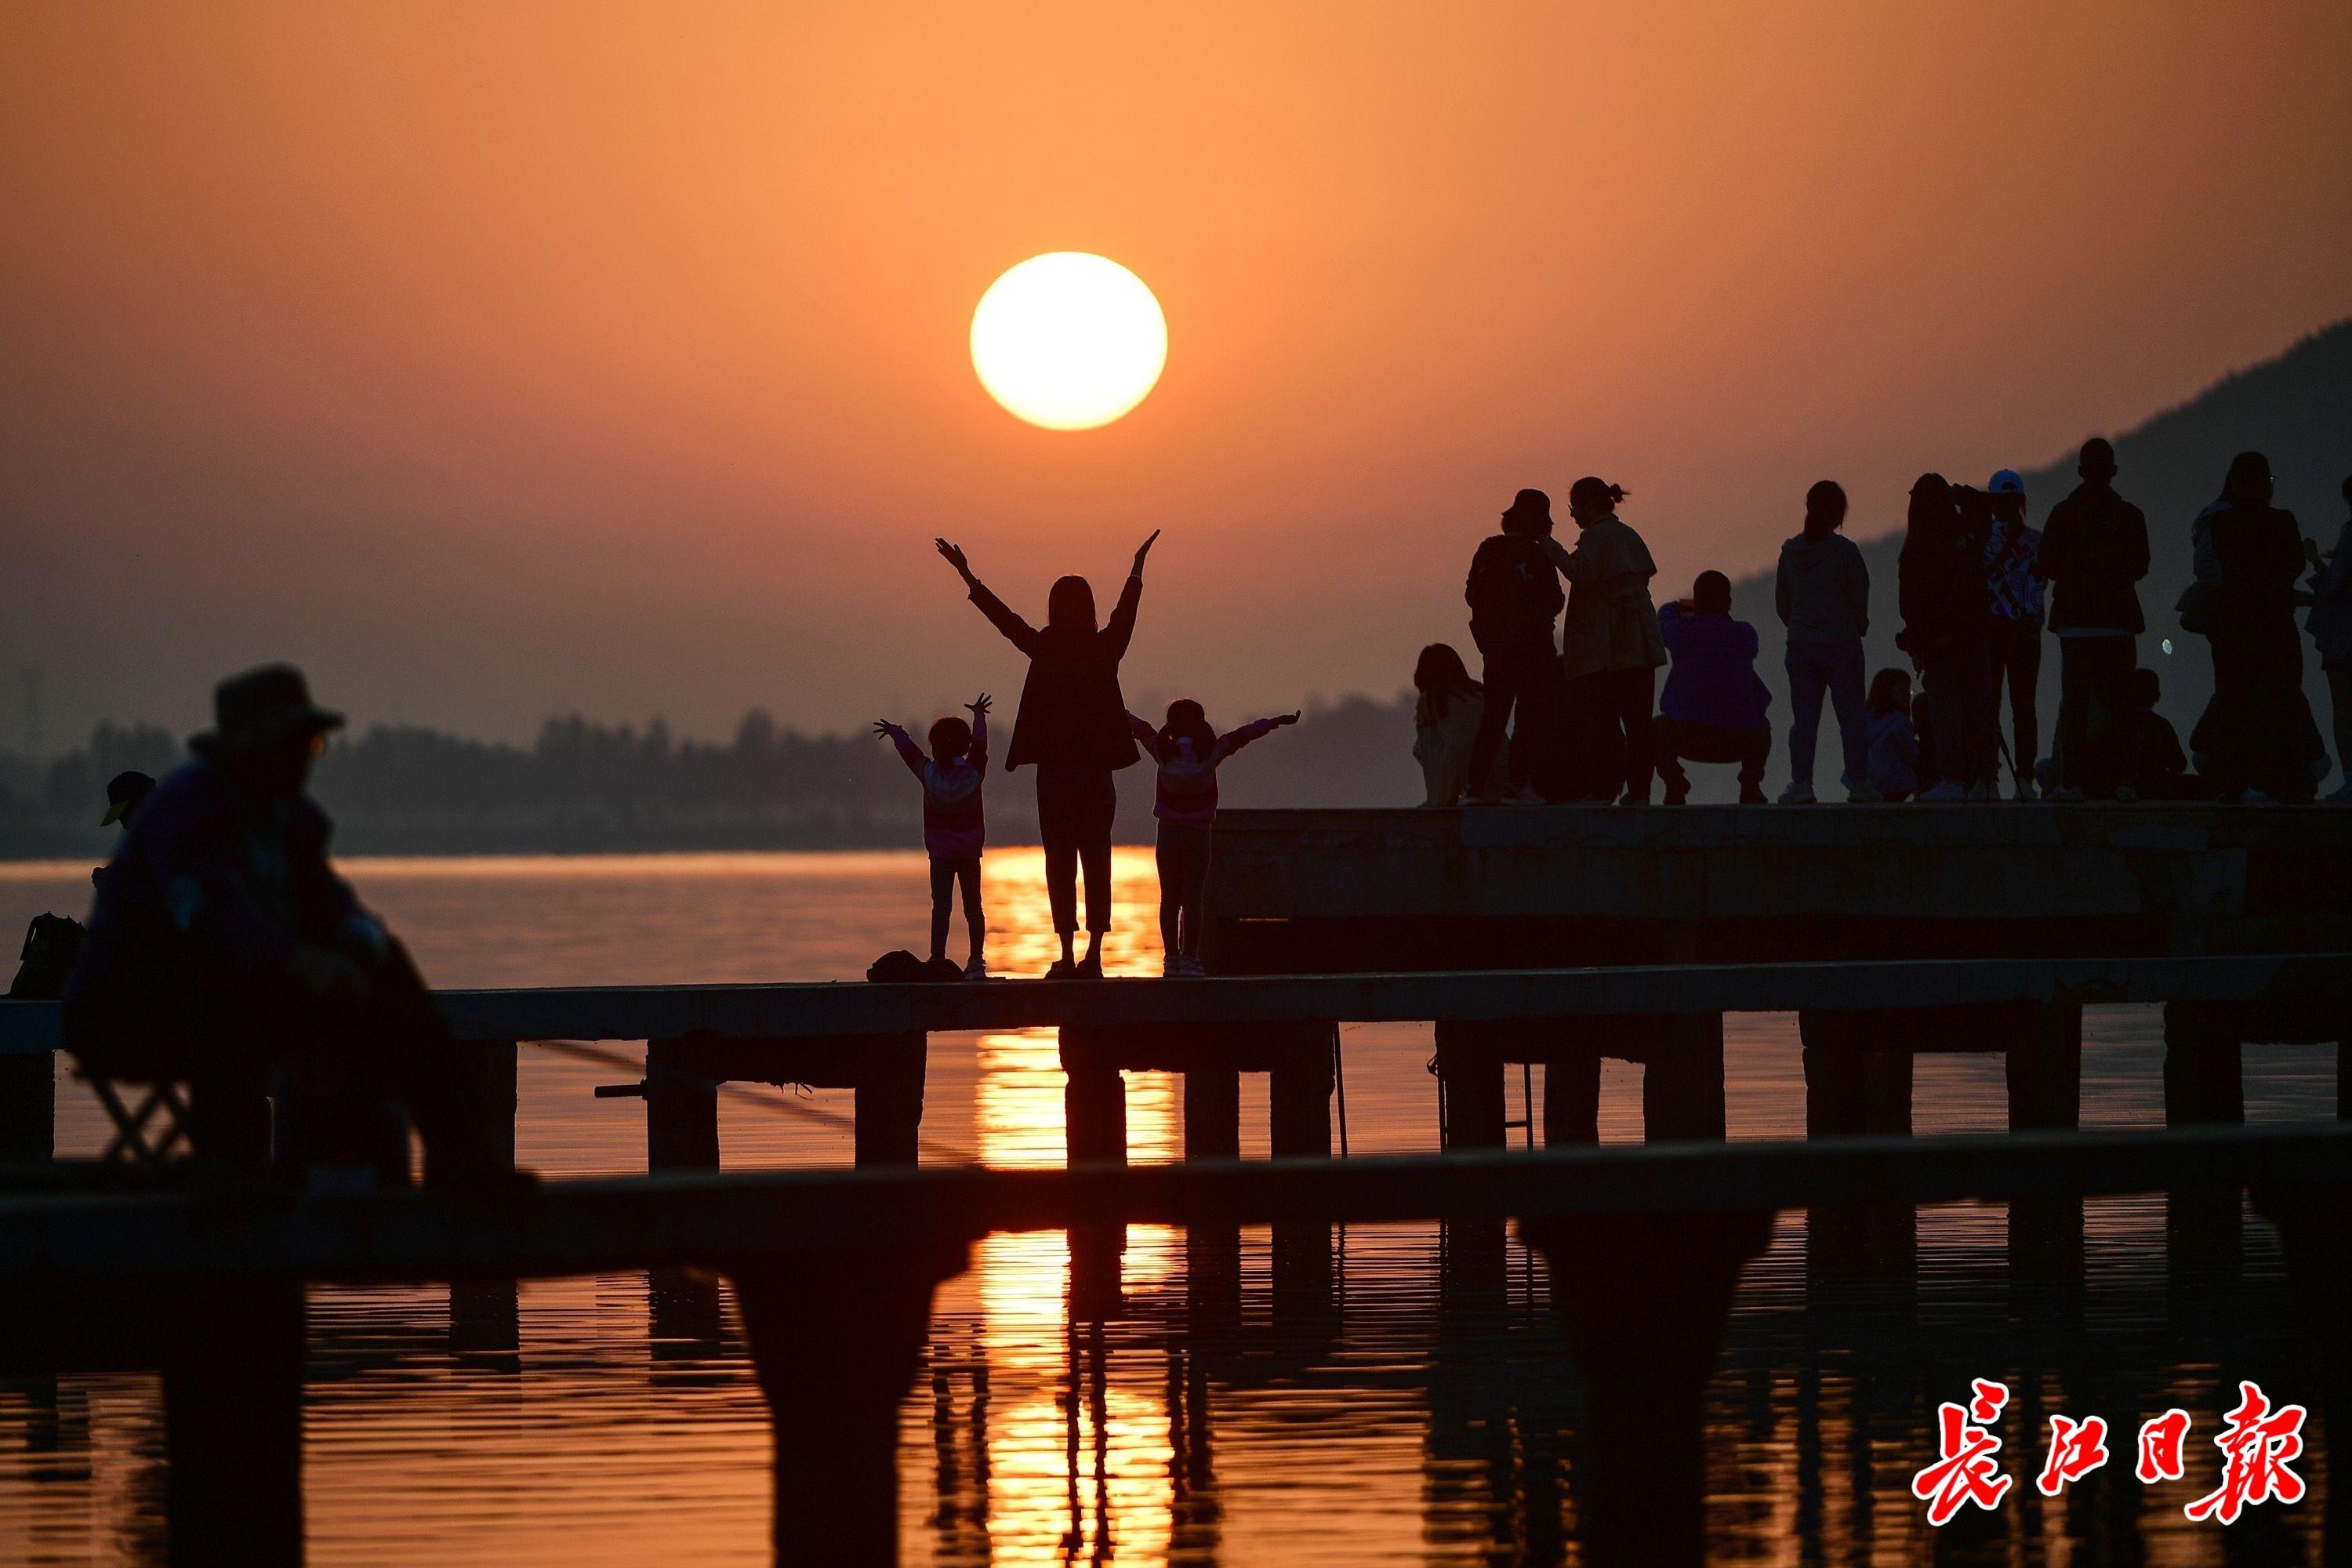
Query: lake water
(1419,1412)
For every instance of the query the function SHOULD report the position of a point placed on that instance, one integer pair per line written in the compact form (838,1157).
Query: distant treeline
(581,787)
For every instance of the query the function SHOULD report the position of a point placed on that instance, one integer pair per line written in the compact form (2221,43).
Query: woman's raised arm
(1017,632)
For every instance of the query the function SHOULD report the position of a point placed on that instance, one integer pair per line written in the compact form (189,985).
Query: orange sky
(496,360)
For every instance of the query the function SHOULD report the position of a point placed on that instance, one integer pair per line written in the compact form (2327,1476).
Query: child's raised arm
(1234,739)
(908,752)
(978,755)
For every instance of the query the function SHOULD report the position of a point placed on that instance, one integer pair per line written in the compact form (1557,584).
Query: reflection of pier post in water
(1644,1300)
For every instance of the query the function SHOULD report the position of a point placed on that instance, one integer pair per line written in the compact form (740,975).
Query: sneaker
(2126,795)
(2067,794)
(1524,796)
(1636,800)
(1089,967)
(1194,969)
(1798,794)
(1983,793)
(1172,967)
(2025,791)
(1751,796)
(1864,793)
(1063,969)
(977,969)
(1944,794)
(2340,797)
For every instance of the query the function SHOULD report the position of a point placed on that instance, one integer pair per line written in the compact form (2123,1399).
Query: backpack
(51,944)
(1513,592)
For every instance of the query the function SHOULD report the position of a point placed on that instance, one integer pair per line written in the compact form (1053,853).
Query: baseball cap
(2005,483)
(124,791)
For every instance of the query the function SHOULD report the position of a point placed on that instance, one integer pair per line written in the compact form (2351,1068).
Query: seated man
(1713,707)
(223,949)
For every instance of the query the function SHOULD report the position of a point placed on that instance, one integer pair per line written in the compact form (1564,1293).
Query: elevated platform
(1542,886)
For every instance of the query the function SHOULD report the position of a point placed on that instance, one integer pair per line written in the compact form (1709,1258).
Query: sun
(1068,340)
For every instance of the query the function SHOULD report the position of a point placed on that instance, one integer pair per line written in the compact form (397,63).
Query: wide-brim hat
(260,708)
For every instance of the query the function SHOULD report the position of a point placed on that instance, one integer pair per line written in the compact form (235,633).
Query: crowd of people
(223,947)
(1569,707)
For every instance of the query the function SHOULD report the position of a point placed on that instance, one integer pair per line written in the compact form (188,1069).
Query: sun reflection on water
(1076,1462)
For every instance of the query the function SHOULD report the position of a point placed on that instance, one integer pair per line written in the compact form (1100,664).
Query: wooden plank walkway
(842,1009)
(589,1227)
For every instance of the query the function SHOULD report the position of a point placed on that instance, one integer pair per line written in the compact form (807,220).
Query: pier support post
(1470,1078)
(1212,1113)
(1571,1099)
(2044,1067)
(2204,1086)
(1644,1300)
(1857,1083)
(1094,1104)
(681,1109)
(890,1100)
(2044,1063)
(1682,1083)
(837,1337)
(485,1315)
(29,1109)
(1299,1097)
(233,1425)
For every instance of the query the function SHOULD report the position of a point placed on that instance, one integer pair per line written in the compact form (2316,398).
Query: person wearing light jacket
(1611,648)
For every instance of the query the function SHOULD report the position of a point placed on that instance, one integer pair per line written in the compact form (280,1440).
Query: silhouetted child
(2159,768)
(1189,752)
(1894,744)
(954,825)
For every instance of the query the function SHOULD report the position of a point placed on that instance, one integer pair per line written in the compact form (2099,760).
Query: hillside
(2297,408)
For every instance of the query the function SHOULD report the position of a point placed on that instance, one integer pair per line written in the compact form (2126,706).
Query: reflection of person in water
(225,949)
(1073,725)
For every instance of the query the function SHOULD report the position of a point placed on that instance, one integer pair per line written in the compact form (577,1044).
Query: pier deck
(1540,887)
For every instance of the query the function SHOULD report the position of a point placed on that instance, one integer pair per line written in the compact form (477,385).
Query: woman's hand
(1290,717)
(979,707)
(955,558)
(1143,550)
(883,727)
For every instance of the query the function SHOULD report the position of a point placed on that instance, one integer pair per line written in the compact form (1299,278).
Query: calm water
(1422,1409)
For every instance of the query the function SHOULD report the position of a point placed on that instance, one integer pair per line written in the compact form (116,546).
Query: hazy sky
(491,360)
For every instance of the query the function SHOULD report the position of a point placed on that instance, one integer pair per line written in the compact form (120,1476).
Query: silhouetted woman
(1445,717)
(2257,731)
(1611,647)
(1073,725)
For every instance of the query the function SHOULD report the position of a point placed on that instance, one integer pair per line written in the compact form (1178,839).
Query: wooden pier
(1862,1022)
(1553,935)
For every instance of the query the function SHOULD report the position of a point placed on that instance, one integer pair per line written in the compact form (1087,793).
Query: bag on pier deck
(903,968)
(50,945)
